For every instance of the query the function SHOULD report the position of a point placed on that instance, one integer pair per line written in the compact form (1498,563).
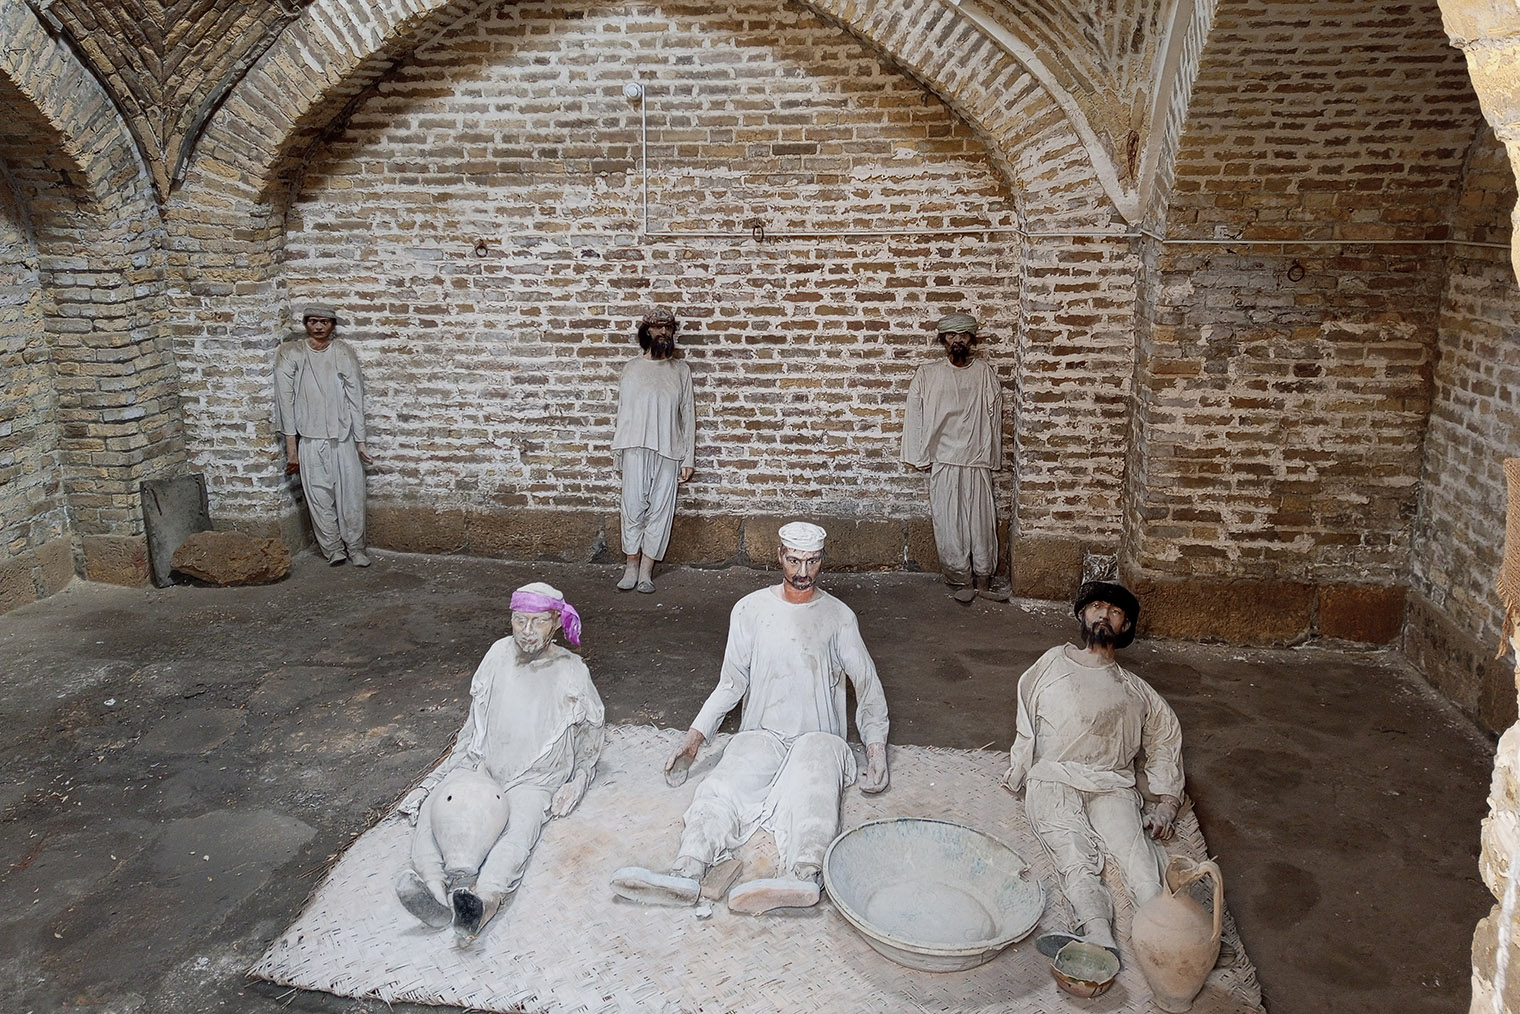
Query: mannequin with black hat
(1084,725)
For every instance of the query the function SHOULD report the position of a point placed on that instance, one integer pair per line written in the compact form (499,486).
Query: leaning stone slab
(232,558)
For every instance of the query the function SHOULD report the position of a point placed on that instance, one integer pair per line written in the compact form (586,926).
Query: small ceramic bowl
(1084,969)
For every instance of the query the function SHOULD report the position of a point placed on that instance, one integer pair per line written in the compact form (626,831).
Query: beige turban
(319,310)
(957,322)
(804,537)
(659,315)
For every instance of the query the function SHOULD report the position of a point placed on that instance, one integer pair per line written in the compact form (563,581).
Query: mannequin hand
(292,465)
(411,805)
(680,761)
(685,475)
(568,795)
(1162,821)
(364,455)
(875,777)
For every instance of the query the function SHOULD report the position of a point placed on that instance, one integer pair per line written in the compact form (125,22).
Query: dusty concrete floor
(179,764)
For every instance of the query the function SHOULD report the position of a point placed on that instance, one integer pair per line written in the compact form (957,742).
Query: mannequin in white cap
(788,647)
(954,429)
(319,407)
(527,752)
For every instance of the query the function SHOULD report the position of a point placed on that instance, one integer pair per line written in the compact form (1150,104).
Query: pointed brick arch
(1488,34)
(89,201)
(337,49)
(76,129)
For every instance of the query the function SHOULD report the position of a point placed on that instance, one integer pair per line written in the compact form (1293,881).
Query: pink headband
(532,602)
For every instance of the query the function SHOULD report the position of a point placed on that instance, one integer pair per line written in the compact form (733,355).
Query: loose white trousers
(333,478)
(649,501)
(1071,825)
(790,789)
(965,521)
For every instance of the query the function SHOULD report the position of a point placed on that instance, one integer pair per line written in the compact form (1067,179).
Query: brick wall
(98,240)
(1474,424)
(514,130)
(1281,415)
(35,553)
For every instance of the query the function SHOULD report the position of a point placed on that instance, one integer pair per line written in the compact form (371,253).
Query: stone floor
(179,765)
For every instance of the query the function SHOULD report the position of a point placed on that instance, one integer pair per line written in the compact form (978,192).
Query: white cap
(546,590)
(803,536)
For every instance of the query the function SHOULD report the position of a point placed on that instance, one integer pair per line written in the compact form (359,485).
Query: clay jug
(468,814)
(1174,940)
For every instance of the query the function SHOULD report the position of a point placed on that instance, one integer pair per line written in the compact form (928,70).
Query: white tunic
(954,417)
(529,724)
(318,394)
(1084,727)
(787,662)
(655,409)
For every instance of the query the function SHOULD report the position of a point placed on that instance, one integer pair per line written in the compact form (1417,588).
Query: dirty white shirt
(787,662)
(318,394)
(535,723)
(954,417)
(1084,727)
(655,410)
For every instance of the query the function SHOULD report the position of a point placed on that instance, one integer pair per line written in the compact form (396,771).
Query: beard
(1098,634)
(960,355)
(661,350)
(801,582)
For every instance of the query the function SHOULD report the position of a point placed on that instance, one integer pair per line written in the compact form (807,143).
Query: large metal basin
(930,894)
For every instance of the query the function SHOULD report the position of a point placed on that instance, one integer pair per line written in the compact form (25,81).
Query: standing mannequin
(654,446)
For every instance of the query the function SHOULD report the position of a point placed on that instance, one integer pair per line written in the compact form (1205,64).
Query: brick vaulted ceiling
(1113,64)
(167,63)
(1104,53)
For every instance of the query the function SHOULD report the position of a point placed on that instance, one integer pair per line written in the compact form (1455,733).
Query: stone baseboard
(522,533)
(36,573)
(1460,666)
(1267,613)
(116,559)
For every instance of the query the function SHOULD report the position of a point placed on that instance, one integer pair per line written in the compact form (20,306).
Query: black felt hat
(1114,595)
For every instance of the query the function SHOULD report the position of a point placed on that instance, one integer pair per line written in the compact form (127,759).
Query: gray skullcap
(802,535)
(659,315)
(319,310)
(956,322)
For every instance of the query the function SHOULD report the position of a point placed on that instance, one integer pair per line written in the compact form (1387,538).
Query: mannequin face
(319,331)
(958,346)
(534,632)
(1102,622)
(799,569)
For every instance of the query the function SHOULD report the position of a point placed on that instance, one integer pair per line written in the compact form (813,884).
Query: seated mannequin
(526,753)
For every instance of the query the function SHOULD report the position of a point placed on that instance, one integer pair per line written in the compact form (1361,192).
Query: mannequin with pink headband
(527,752)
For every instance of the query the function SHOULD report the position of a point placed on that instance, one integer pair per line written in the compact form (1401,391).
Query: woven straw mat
(1509,569)
(564,943)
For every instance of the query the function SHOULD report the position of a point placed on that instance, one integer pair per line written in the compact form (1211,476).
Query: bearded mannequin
(654,446)
(1083,723)
(953,429)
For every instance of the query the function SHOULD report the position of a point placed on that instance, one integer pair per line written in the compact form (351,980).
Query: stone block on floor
(232,558)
